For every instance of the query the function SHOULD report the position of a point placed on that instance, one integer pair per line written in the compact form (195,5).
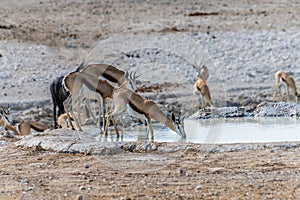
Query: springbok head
(202,71)
(4,113)
(197,67)
(130,79)
(179,125)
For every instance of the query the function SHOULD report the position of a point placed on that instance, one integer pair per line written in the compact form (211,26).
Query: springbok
(111,73)
(123,97)
(63,120)
(75,81)
(290,83)
(4,121)
(59,95)
(106,71)
(201,86)
(23,128)
(4,112)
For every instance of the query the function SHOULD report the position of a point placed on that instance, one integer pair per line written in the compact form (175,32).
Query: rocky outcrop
(264,109)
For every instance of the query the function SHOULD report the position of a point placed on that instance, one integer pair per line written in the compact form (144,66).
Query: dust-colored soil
(256,174)
(75,26)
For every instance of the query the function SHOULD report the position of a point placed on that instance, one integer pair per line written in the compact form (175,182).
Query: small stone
(29,189)
(181,171)
(198,187)
(25,181)
(87,166)
(79,197)
(82,188)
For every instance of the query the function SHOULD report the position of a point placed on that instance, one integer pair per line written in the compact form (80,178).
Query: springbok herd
(102,82)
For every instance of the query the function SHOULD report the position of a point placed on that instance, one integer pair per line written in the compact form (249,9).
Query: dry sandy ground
(257,174)
(74,27)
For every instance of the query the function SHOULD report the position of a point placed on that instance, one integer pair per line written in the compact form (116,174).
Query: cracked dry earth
(255,174)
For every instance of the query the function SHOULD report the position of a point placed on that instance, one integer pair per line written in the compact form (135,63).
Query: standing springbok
(290,83)
(106,71)
(123,97)
(201,86)
(75,81)
(59,95)
(111,73)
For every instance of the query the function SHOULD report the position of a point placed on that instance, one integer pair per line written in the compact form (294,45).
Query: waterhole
(223,131)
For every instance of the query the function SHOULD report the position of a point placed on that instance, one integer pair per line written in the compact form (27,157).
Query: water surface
(224,131)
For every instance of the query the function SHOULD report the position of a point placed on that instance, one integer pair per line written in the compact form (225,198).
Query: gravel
(241,64)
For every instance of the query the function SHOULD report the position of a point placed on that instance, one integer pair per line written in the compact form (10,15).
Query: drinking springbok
(290,83)
(123,97)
